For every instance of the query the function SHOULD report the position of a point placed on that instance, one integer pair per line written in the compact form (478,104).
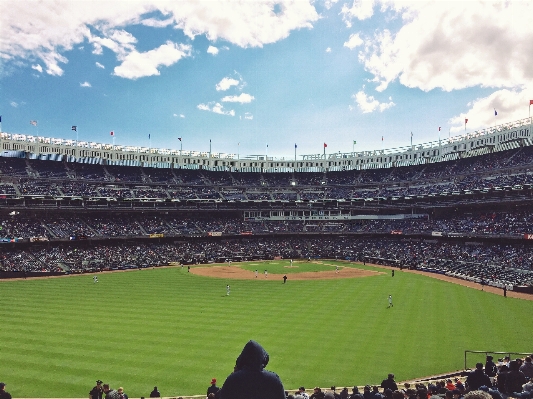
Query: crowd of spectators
(513,224)
(498,264)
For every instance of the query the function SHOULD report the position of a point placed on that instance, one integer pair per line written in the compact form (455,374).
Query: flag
(439,131)
(0,118)
(112,133)
(179,138)
(148,136)
(354,142)
(412,133)
(495,112)
(295,146)
(325,145)
(466,121)
(381,138)
(530,102)
(33,123)
(75,128)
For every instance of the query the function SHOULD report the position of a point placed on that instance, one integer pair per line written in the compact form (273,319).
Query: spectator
(3,393)
(389,383)
(110,393)
(501,377)
(97,391)
(515,380)
(490,367)
(450,386)
(250,379)
(302,393)
(344,393)
(155,393)
(122,394)
(527,368)
(213,388)
(317,394)
(355,393)
(477,378)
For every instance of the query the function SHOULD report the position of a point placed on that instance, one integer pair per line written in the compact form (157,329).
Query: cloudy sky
(258,77)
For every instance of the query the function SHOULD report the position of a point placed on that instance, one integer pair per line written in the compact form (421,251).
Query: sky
(253,77)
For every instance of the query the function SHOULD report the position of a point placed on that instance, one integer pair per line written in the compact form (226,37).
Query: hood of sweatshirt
(252,357)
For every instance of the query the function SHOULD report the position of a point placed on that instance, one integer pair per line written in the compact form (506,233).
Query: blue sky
(247,74)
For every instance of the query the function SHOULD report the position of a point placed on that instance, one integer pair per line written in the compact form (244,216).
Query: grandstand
(459,206)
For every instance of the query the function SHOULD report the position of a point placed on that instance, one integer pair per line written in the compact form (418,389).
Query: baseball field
(329,324)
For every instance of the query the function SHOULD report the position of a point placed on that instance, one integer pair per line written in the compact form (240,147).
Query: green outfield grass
(176,330)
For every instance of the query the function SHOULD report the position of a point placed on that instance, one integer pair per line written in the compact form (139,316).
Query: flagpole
(238,151)
(295,152)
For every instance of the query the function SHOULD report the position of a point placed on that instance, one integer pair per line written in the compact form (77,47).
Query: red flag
(325,145)
(439,128)
(381,138)
(466,121)
(112,133)
(530,102)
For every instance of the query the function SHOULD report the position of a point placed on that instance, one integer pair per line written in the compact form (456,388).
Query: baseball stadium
(145,267)
(266,199)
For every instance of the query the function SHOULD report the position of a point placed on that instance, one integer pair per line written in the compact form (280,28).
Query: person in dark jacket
(250,379)
(515,379)
(478,378)
(213,387)
(490,367)
(500,378)
(389,383)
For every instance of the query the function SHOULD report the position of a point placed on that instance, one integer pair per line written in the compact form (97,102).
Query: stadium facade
(493,139)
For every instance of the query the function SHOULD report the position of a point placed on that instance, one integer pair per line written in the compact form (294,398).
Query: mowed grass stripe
(176,330)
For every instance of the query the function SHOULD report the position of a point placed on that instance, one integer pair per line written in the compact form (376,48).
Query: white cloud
(328,50)
(180,115)
(369,104)
(215,107)
(38,68)
(137,65)
(248,116)
(243,98)
(156,23)
(118,41)
(100,65)
(454,45)
(360,9)
(511,105)
(85,84)
(48,29)
(212,50)
(226,83)
(354,41)
(14,104)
